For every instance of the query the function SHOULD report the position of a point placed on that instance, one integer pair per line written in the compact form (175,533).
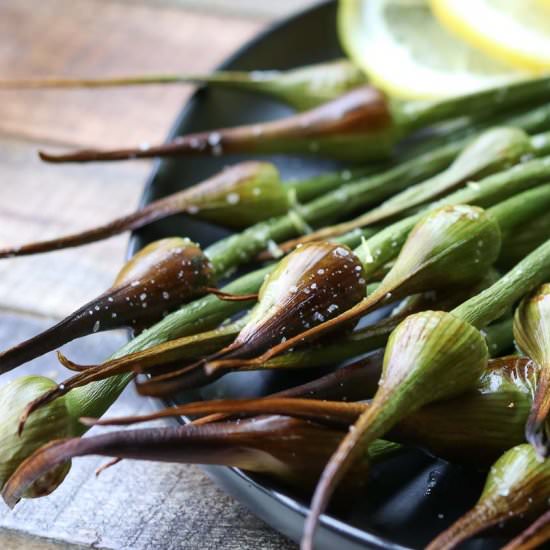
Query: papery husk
(292,450)
(533,537)
(356,126)
(431,355)
(532,334)
(158,279)
(518,485)
(237,197)
(312,284)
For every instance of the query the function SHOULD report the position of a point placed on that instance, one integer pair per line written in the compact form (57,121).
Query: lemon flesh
(516,32)
(405,51)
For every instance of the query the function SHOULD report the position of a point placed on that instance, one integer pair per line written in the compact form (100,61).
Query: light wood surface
(133,505)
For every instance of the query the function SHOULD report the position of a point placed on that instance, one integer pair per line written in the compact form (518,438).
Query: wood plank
(134,505)
(42,201)
(87,37)
(248,8)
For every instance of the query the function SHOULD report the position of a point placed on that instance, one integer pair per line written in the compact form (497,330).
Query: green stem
(307,189)
(385,245)
(412,115)
(493,302)
(243,247)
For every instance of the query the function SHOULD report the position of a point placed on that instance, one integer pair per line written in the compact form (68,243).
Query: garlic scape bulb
(359,125)
(238,196)
(158,279)
(356,126)
(292,450)
(492,151)
(476,427)
(453,246)
(533,537)
(532,334)
(313,283)
(517,485)
(430,356)
(52,422)
(302,88)
(170,355)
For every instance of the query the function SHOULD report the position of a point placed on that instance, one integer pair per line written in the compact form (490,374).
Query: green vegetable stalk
(359,125)
(158,279)
(302,88)
(492,151)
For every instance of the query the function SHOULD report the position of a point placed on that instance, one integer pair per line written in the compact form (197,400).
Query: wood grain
(41,201)
(91,37)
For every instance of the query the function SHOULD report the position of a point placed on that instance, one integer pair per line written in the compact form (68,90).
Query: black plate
(410,498)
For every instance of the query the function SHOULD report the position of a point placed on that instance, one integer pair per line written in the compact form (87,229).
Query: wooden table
(135,504)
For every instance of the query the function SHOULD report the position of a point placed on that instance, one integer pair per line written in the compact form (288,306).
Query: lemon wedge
(405,51)
(516,32)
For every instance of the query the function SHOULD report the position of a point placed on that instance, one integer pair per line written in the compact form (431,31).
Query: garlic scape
(532,334)
(289,449)
(313,283)
(158,279)
(475,229)
(533,537)
(492,151)
(356,126)
(252,192)
(517,485)
(208,311)
(359,125)
(302,88)
(429,356)
(168,356)
(238,196)
(453,246)
(474,428)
